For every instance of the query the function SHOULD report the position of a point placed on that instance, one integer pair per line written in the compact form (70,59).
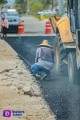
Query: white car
(13,19)
(47,12)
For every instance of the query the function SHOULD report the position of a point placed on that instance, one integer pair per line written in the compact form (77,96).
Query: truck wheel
(72,68)
(59,54)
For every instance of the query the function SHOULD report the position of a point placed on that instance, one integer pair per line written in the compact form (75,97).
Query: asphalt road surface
(62,97)
(33,25)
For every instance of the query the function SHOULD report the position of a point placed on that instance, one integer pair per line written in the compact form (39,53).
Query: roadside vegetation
(2,2)
(34,6)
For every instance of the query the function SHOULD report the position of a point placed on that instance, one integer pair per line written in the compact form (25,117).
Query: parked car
(46,12)
(13,19)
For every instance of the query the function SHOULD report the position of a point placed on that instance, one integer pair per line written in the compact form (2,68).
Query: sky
(10,1)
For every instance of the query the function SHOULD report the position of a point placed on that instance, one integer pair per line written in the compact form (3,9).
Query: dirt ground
(19,90)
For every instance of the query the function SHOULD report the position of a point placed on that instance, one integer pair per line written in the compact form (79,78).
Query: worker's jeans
(36,69)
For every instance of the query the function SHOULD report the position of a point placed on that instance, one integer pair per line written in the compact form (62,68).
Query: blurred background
(32,7)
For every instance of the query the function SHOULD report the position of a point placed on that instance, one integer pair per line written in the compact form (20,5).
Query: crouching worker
(44,60)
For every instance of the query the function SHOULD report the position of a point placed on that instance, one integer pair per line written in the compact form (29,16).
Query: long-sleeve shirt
(45,57)
(5,23)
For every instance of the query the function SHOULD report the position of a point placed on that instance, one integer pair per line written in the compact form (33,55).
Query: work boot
(43,76)
(38,76)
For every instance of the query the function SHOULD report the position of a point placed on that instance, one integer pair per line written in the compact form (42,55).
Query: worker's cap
(45,43)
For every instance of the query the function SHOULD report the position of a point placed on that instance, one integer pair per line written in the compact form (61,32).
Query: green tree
(21,5)
(3,1)
(46,2)
(35,6)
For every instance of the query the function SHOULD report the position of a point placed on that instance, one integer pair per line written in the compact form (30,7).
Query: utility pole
(61,6)
(28,7)
(52,4)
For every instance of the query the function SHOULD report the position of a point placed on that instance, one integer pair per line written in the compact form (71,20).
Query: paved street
(33,25)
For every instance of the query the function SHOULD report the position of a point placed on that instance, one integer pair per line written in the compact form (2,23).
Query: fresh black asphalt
(62,97)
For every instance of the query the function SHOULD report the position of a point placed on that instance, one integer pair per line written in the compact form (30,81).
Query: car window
(10,14)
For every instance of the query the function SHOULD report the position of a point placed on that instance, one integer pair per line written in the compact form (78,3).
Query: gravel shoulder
(19,90)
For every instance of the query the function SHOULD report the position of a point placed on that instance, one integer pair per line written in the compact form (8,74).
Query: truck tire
(72,68)
(60,55)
